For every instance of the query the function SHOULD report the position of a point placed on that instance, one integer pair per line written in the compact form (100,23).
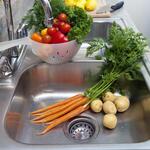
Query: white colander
(50,53)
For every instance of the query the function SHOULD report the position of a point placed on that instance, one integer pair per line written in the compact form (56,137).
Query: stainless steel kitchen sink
(45,84)
(101,28)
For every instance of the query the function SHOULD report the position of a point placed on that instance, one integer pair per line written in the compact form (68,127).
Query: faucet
(13,57)
(48,12)
(10,29)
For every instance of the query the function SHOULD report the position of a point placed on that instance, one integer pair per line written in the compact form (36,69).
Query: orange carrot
(63,112)
(56,104)
(57,109)
(64,118)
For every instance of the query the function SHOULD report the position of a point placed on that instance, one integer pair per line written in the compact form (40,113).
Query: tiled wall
(19,9)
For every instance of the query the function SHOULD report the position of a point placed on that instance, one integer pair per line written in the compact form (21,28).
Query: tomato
(46,39)
(65,28)
(58,37)
(44,32)
(51,31)
(62,17)
(61,23)
(55,22)
(65,39)
(36,37)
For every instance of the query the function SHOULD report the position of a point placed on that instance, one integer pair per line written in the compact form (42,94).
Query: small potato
(108,96)
(122,103)
(96,105)
(109,107)
(110,121)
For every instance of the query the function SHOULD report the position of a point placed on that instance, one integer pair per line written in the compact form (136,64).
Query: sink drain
(81,129)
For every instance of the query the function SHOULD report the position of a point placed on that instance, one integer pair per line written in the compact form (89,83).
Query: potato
(109,107)
(110,121)
(122,103)
(96,105)
(108,96)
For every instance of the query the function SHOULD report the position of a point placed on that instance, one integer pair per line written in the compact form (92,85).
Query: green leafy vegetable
(123,51)
(81,22)
(95,45)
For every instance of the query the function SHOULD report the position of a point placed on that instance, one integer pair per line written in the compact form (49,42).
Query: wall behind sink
(139,11)
(19,9)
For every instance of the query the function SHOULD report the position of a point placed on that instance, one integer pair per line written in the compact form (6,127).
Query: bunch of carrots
(60,112)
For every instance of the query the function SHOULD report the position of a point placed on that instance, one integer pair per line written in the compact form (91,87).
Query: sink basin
(101,28)
(46,84)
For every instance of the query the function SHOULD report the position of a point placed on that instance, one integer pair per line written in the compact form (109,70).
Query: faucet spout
(48,12)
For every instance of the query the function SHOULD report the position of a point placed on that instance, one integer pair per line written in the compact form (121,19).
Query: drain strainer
(81,129)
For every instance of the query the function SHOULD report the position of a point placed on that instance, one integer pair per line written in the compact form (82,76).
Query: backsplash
(19,9)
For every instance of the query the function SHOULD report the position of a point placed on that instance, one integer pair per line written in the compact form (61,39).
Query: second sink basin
(47,84)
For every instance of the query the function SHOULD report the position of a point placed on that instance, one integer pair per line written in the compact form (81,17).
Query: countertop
(7,143)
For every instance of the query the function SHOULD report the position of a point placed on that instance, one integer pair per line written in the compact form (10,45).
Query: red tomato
(55,22)
(36,37)
(57,38)
(61,23)
(65,39)
(57,28)
(62,17)
(65,28)
(51,31)
(46,39)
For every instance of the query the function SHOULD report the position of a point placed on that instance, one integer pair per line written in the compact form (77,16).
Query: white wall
(139,11)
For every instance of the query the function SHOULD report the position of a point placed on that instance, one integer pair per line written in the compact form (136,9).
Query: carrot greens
(123,52)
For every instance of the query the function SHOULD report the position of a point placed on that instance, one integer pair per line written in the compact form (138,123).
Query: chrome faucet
(14,54)
(48,12)
(10,29)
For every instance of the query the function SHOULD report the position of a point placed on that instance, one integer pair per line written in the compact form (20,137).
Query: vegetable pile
(55,34)
(123,51)
(77,18)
